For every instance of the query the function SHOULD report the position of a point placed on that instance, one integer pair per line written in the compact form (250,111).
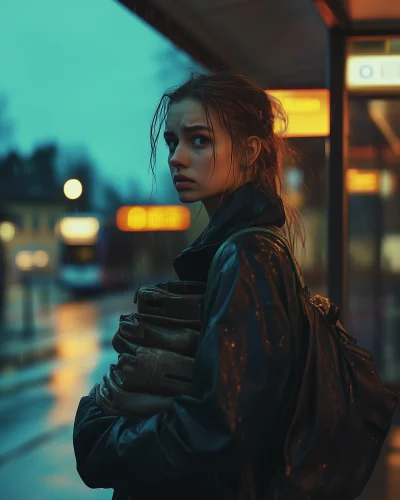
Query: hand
(155,371)
(116,401)
(146,331)
(105,392)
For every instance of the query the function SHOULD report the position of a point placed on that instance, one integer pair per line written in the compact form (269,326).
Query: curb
(45,350)
(27,357)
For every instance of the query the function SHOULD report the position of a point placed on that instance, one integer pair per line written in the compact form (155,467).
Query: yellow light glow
(388,183)
(391,262)
(363,181)
(73,189)
(366,72)
(7,231)
(79,230)
(77,355)
(137,218)
(371,182)
(41,258)
(153,218)
(308,112)
(24,260)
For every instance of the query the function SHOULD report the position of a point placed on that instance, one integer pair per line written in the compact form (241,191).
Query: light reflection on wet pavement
(36,454)
(41,419)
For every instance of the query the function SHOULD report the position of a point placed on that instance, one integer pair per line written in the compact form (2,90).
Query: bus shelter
(346,55)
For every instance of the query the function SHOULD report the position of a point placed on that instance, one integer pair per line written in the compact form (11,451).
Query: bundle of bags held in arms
(156,348)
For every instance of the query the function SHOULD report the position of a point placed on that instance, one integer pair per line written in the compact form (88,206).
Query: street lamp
(73,189)
(40,259)
(7,231)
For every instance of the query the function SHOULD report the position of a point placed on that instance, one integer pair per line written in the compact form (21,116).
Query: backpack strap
(300,284)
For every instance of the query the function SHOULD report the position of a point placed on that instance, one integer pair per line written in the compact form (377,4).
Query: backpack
(343,413)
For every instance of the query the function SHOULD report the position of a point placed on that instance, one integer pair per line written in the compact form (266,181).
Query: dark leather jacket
(247,373)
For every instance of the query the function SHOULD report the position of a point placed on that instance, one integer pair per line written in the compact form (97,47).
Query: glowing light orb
(7,231)
(73,189)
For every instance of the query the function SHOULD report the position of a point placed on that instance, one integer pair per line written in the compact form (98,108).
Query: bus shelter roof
(278,44)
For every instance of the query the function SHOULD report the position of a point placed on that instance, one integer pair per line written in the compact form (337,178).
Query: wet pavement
(38,402)
(38,405)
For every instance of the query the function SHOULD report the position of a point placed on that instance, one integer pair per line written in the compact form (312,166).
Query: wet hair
(244,110)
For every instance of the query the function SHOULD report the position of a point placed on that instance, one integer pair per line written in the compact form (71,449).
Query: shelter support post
(337,230)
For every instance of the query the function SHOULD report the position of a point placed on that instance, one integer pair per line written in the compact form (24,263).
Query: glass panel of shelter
(373,172)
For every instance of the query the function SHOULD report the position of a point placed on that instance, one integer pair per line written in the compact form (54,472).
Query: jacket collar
(245,207)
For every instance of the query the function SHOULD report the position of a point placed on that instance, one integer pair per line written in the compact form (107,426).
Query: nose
(180,157)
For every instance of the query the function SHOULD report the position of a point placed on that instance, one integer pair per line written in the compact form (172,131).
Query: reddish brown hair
(244,110)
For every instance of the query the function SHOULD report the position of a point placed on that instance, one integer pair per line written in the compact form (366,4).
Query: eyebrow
(188,130)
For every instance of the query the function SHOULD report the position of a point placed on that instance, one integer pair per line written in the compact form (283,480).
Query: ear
(252,150)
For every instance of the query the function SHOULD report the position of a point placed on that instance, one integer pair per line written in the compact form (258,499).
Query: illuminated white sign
(79,230)
(380,72)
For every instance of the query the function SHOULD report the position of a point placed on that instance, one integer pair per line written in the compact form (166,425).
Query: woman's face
(190,142)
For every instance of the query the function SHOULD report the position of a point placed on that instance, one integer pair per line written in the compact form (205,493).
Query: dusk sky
(87,74)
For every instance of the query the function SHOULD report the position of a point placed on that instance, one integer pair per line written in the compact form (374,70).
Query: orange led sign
(381,182)
(307,110)
(363,181)
(153,218)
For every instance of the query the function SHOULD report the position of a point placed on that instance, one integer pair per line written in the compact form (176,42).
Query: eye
(201,140)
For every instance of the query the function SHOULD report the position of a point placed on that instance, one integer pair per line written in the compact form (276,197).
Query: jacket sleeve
(241,368)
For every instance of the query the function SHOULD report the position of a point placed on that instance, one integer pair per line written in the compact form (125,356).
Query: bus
(94,254)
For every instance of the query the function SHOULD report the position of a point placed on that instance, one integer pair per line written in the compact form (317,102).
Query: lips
(181,178)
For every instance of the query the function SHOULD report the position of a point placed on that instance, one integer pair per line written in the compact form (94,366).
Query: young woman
(228,440)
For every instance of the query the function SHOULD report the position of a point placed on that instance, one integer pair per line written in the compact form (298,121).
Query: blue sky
(85,73)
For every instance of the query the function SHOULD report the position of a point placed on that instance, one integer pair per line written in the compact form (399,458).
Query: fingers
(164,333)
(155,371)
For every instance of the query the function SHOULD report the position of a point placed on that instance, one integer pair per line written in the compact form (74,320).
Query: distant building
(34,204)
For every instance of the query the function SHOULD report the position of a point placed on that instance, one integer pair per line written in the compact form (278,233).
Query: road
(36,454)
(36,416)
